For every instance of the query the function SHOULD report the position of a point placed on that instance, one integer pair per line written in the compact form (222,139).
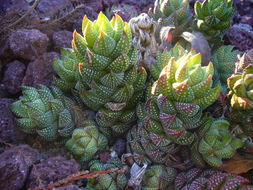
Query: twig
(7,144)
(77,176)
(23,17)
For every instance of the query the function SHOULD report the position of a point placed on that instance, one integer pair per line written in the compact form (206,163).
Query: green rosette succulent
(162,59)
(215,143)
(174,15)
(109,181)
(186,81)
(150,146)
(210,179)
(241,89)
(86,141)
(66,69)
(213,18)
(109,80)
(224,59)
(47,112)
(158,177)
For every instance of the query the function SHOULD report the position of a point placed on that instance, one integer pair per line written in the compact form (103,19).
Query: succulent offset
(158,177)
(66,69)
(197,179)
(213,18)
(87,141)
(215,143)
(241,113)
(174,15)
(109,80)
(224,59)
(241,89)
(47,112)
(112,181)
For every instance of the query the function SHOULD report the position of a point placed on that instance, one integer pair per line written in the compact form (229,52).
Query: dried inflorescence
(143,28)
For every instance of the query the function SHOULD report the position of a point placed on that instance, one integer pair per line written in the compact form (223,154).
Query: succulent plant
(86,141)
(109,80)
(241,89)
(163,117)
(240,117)
(215,142)
(168,117)
(213,18)
(143,28)
(224,59)
(158,177)
(47,112)
(186,81)
(210,179)
(175,15)
(66,69)
(162,59)
(110,181)
(149,146)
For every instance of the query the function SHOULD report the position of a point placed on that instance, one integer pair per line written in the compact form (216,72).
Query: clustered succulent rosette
(162,59)
(241,89)
(47,112)
(86,141)
(158,177)
(215,143)
(173,14)
(167,119)
(109,181)
(213,18)
(109,80)
(197,179)
(224,59)
(66,69)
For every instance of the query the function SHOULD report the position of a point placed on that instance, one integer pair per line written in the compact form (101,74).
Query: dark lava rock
(40,71)
(14,166)
(3,91)
(53,8)
(62,39)
(96,6)
(14,6)
(241,36)
(9,131)
(13,76)
(110,3)
(70,187)
(76,19)
(120,146)
(27,43)
(51,170)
